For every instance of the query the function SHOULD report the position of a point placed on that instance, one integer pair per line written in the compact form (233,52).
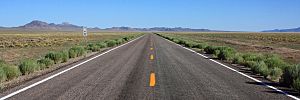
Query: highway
(146,69)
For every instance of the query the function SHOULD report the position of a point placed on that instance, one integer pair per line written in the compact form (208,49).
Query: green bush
(64,55)
(261,68)
(216,53)
(210,49)
(189,44)
(28,66)
(200,45)
(296,84)
(45,61)
(237,59)
(290,73)
(111,43)
(250,64)
(76,51)
(11,72)
(2,75)
(181,42)
(126,38)
(253,57)
(93,47)
(275,61)
(101,45)
(119,41)
(55,56)
(226,53)
(275,73)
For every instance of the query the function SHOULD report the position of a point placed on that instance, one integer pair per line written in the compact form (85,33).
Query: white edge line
(52,76)
(254,79)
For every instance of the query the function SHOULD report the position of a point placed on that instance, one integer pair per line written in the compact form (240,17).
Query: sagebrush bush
(253,57)
(290,73)
(126,38)
(28,66)
(111,43)
(275,73)
(2,75)
(296,84)
(8,72)
(55,56)
(11,72)
(189,44)
(93,47)
(238,59)
(200,45)
(76,51)
(2,72)
(216,53)
(210,49)
(275,61)
(46,61)
(181,42)
(64,55)
(101,44)
(226,53)
(261,68)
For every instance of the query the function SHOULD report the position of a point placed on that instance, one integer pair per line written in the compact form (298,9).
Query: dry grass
(17,45)
(285,44)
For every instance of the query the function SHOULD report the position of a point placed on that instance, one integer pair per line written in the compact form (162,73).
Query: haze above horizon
(235,15)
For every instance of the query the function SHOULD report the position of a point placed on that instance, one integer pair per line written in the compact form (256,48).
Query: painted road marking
(151,48)
(254,79)
(152,79)
(48,78)
(151,57)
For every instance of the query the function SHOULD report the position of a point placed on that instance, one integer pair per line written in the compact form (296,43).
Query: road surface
(147,68)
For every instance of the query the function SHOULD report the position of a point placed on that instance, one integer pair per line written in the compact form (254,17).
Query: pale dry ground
(285,44)
(18,45)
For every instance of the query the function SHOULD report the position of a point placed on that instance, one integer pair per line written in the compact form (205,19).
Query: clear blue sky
(245,15)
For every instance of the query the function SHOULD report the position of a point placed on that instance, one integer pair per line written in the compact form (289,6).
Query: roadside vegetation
(268,65)
(10,71)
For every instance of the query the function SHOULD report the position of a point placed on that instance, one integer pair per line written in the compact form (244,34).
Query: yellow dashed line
(151,48)
(151,57)
(152,79)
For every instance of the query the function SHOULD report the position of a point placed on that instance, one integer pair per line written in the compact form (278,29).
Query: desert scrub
(101,44)
(45,63)
(275,61)
(93,47)
(111,43)
(210,49)
(226,53)
(200,45)
(261,68)
(290,74)
(8,72)
(65,55)
(253,57)
(55,56)
(2,75)
(275,73)
(238,59)
(28,66)
(76,51)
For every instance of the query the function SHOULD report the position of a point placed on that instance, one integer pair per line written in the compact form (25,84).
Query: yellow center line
(151,48)
(151,57)
(152,79)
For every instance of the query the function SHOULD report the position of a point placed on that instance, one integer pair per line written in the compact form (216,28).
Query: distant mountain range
(44,26)
(37,25)
(284,30)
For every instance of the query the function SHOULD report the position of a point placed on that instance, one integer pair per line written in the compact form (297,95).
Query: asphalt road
(124,73)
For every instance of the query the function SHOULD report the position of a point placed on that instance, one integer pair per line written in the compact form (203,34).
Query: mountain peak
(40,25)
